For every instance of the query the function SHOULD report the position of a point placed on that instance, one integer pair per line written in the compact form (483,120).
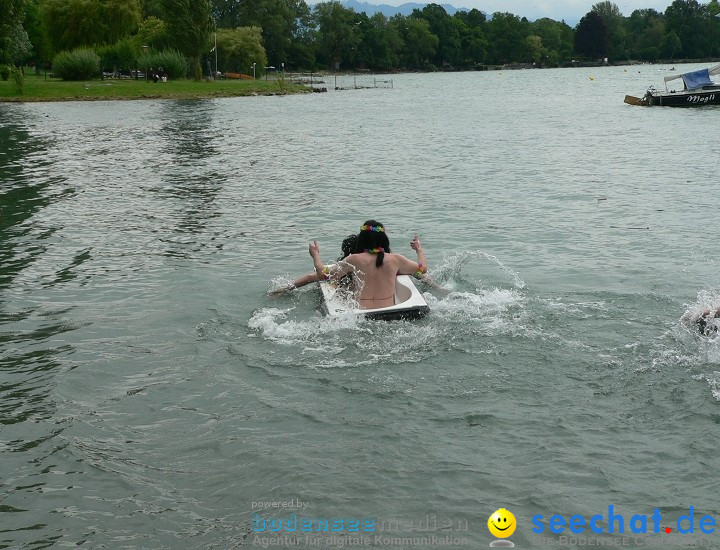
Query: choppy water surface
(151,391)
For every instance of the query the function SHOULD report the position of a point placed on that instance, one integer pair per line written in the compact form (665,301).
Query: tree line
(292,34)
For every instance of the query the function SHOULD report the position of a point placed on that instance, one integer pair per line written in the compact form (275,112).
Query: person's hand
(415,244)
(314,249)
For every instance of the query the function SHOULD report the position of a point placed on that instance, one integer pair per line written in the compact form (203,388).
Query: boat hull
(685,98)
(409,302)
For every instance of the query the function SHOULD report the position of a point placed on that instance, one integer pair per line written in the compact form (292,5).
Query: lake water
(152,394)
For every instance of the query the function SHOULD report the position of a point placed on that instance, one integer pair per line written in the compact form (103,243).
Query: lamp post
(253,67)
(145,51)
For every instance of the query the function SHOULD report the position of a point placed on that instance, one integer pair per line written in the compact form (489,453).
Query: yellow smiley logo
(501,523)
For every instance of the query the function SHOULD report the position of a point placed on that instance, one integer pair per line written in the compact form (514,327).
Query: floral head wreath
(376,228)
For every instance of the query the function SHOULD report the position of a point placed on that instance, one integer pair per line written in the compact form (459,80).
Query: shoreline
(60,99)
(38,89)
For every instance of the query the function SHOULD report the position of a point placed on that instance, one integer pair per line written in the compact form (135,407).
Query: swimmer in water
(705,321)
(348,246)
(375,266)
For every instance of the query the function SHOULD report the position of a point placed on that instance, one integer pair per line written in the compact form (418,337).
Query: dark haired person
(375,266)
(348,246)
(705,322)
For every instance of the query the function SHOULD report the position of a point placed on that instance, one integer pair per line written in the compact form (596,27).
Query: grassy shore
(37,88)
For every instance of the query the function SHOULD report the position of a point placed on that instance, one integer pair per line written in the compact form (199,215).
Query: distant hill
(389,11)
(407,8)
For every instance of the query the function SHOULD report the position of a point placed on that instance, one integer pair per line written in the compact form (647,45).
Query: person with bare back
(374,265)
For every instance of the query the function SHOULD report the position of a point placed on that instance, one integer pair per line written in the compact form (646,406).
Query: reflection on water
(151,390)
(29,359)
(186,171)
(24,189)
(32,329)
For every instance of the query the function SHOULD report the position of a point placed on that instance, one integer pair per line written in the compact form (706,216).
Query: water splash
(453,264)
(462,310)
(713,382)
(707,301)
(274,324)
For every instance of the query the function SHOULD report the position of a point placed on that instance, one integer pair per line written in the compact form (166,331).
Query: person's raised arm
(422,263)
(314,250)
(408,267)
(297,283)
(333,271)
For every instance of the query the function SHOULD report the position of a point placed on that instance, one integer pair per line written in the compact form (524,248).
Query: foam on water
(461,310)
(273,323)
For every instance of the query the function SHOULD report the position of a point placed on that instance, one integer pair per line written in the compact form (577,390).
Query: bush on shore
(120,56)
(79,64)
(173,63)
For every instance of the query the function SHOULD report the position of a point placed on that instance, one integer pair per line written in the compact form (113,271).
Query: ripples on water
(151,390)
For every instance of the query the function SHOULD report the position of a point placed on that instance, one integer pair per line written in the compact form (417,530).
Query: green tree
(449,49)
(338,35)
(153,33)
(302,47)
(379,43)
(152,8)
(418,43)
(473,42)
(506,36)
(278,20)
(557,40)
(615,25)
(473,18)
(19,47)
(534,50)
(473,39)
(12,13)
(36,34)
(119,18)
(229,14)
(713,8)
(73,23)
(189,24)
(239,48)
(646,32)
(591,36)
(670,45)
(690,21)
